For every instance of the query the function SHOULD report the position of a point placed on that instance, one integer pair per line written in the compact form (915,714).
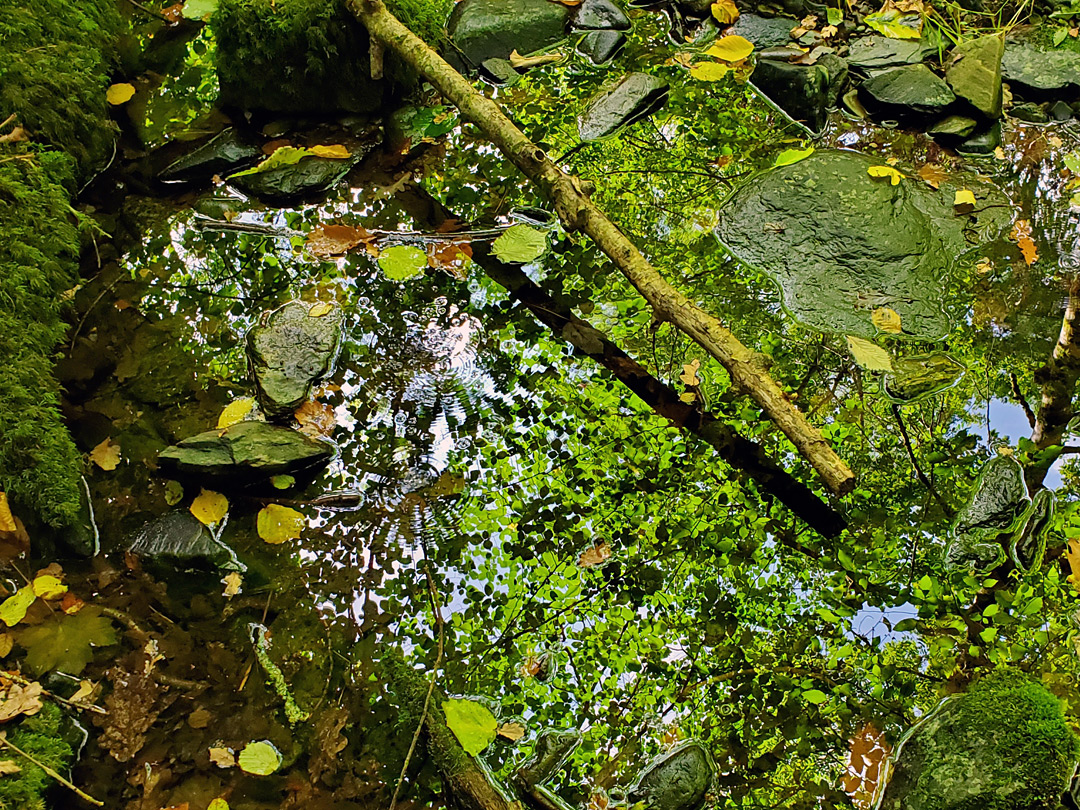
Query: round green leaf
(472,723)
(402,262)
(199,9)
(520,244)
(814,696)
(260,758)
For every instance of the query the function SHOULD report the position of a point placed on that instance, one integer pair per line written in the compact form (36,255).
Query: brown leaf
(20,699)
(8,766)
(689,376)
(16,134)
(451,257)
(329,742)
(71,604)
(131,709)
(1021,234)
(597,555)
(223,757)
(200,718)
(933,175)
(335,240)
(316,419)
(868,751)
(7,520)
(511,731)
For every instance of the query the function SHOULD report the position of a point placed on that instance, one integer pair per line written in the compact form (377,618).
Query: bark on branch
(579,214)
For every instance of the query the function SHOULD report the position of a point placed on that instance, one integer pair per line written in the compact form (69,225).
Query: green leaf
(904,625)
(259,758)
(789,156)
(472,723)
(1072,162)
(402,262)
(199,9)
(66,643)
(282,481)
(291,155)
(868,355)
(889,23)
(15,606)
(814,696)
(1059,36)
(834,16)
(520,244)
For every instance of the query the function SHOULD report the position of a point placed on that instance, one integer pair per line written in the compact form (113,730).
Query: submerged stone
(246,453)
(486,29)
(180,537)
(679,780)
(840,243)
(289,350)
(634,97)
(1029,542)
(974,73)
(1003,744)
(553,748)
(1035,69)
(908,89)
(921,376)
(601,46)
(983,528)
(601,15)
(1029,113)
(954,126)
(982,143)
(799,91)
(225,152)
(876,52)
(764,32)
(286,184)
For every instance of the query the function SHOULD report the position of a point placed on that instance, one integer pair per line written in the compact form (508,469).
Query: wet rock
(1060,111)
(877,52)
(289,351)
(600,47)
(287,184)
(764,32)
(486,29)
(245,453)
(634,97)
(954,126)
(908,89)
(499,72)
(982,528)
(178,536)
(974,73)
(679,780)
(1029,543)
(799,91)
(601,15)
(921,376)
(553,748)
(225,152)
(840,244)
(1024,66)
(1004,743)
(982,143)
(1029,113)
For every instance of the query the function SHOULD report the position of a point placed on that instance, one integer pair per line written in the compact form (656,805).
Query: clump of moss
(307,56)
(38,260)
(1004,745)
(40,737)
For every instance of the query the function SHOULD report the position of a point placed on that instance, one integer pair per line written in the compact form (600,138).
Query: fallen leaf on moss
(106,455)
(526,62)
(209,507)
(320,309)
(710,71)
(964,201)
(8,767)
(20,699)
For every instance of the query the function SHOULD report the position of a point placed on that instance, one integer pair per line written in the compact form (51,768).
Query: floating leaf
(199,9)
(235,412)
(66,643)
(48,587)
(277,523)
(520,62)
(209,507)
(511,731)
(689,376)
(13,609)
(232,582)
(789,156)
(731,48)
(710,71)
(868,355)
(1021,234)
(402,262)
(259,758)
(291,155)
(282,481)
(316,419)
(596,555)
(890,24)
(336,151)
(964,201)
(334,240)
(106,455)
(885,171)
(725,12)
(7,520)
(119,93)
(869,751)
(520,244)
(472,723)
(222,757)
(887,320)
(814,696)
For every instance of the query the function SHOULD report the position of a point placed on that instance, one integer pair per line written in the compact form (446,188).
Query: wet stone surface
(911,89)
(179,537)
(679,780)
(486,29)
(634,97)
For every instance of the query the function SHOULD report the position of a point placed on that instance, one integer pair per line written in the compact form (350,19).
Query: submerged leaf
(520,244)
(106,455)
(209,507)
(259,758)
(66,643)
(402,262)
(472,723)
(868,355)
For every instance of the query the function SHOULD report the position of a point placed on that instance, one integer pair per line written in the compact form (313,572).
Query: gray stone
(1030,113)
(1029,543)
(601,46)
(958,126)
(601,15)
(911,88)
(553,747)
(982,530)
(499,72)
(974,73)
(1036,69)
(286,184)
(840,243)
(245,453)
(876,52)
(921,376)
(486,29)
(1060,111)
(799,91)
(288,351)
(1005,743)
(764,32)
(634,97)
(982,143)
(179,536)
(679,780)
(225,152)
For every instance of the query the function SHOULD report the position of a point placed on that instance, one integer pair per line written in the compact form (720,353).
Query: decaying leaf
(472,723)
(174,492)
(71,604)
(209,507)
(84,693)
(7,520)
(599,800)
(64,642)
(222,757)
(511,731)
(232,582)
(452,257)
(235,412)
(525,62)
(131,709)
(731,48)
(106,455)
(596,555)
(277,523)
(316,419)
(888,172)
(335,240)
(887,320)
(933,175)
(329,742)
(20,699)
(868,355)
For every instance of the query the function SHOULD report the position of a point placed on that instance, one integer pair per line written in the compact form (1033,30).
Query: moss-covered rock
(308,56)
(1004,745)
(41,738)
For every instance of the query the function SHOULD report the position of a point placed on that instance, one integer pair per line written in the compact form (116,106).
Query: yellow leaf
(6,643)
(209,507)
(48,587)
(525,62)
(868,355)
(596,555)
(260,758)
(724,12)
(687,397)
(933,175)
(7,520)
(235,412)
(1072,554)
(120,93)
(964,199)
(689,375)
(232,583)
(218,804)
(13,609)
(106,455)
(887,320)
(277,523)
(335,151)
(731,48)
(885,171)
(511,731)
(709,71)
(320,309)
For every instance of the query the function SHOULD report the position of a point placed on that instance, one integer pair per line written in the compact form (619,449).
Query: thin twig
(90,707)
(83,795)
(1030,414)
(918,470)
(151,12)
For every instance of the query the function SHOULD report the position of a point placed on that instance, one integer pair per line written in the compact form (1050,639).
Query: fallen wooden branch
(578,213)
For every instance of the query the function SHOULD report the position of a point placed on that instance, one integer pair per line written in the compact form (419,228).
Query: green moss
(38,260)
(308,56)
(40,737)
(1004,745)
